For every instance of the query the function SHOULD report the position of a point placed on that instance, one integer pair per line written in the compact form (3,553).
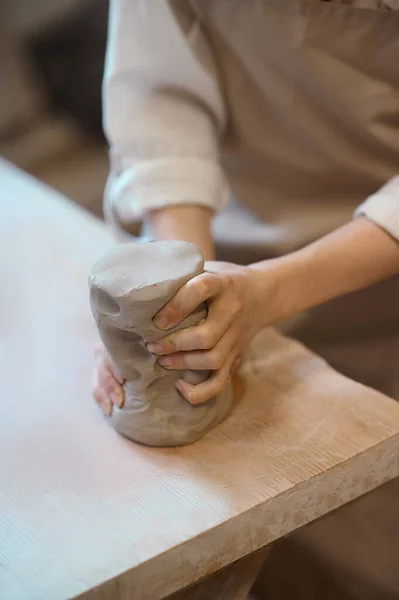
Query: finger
(213,359)
(214,385)
(203,336)
(104,378)
(187,299)
(102,401)
(110,386)
(103,358)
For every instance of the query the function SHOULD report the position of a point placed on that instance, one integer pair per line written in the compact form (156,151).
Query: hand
(235,297)
(106,382)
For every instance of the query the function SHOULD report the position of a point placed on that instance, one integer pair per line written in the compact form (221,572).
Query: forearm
(351,258)
(164,114)
(189,222)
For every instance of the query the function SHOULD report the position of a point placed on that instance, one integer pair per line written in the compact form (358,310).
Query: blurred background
(51,64)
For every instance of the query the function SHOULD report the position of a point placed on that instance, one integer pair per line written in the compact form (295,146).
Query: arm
(361,253)
(189,223)
(163,114)
(351,258)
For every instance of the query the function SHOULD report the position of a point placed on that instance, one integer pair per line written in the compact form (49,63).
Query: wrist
(190,223)
(350,258)
(285,287)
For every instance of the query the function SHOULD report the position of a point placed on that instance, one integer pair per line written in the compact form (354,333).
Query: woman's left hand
(243,300)
(236,312)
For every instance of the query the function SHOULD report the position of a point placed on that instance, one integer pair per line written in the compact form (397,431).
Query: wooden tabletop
(84,512)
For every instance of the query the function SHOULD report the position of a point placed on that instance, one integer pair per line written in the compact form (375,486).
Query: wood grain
(85,513)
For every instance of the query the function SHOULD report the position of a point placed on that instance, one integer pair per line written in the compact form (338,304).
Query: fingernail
(155,347)
(165,361)
(161,322)
(117,398)
(186,389)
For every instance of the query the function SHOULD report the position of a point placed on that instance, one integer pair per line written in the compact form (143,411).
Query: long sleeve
(383,207)
(163,114)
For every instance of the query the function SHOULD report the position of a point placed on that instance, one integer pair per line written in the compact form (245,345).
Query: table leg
(231,583)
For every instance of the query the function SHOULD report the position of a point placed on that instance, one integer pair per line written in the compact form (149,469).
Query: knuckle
(220,384)
(196,397)
(228,281)
(207,281)
(215,360)
(174,343)
(210,393)
(206,339)
(238,306)
(204,286)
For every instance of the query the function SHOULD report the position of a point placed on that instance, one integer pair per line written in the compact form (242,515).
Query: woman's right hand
(107,383)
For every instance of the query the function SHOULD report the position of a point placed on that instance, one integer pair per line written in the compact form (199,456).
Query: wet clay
(128,286)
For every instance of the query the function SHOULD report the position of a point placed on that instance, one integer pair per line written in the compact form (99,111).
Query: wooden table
(85,513)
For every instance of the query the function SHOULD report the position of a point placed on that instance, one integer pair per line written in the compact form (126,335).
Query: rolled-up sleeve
(383,207)
(163,115)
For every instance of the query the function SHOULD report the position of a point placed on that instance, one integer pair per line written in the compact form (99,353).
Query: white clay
(127,288)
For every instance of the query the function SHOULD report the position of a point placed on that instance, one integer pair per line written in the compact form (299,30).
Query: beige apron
(312,92)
